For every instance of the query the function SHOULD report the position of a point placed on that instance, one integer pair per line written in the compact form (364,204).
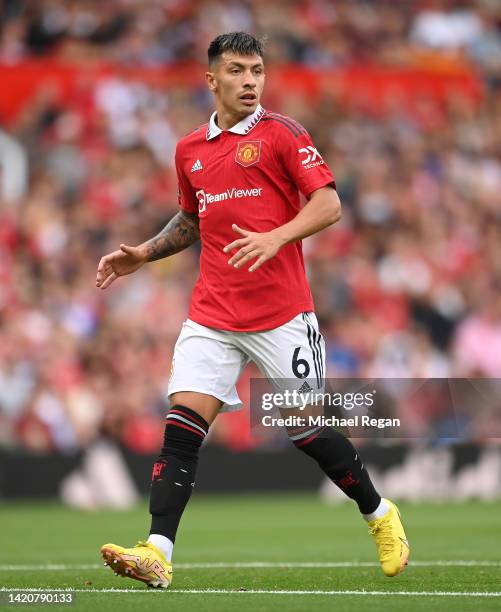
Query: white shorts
(210,360)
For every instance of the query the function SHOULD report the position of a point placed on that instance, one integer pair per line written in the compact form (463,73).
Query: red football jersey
(250,175)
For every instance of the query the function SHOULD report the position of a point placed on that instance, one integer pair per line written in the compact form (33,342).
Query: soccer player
(239,181)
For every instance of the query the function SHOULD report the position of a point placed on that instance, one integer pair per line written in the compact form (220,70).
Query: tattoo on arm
(181,232)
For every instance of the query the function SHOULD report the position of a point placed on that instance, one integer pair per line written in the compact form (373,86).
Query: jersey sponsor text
(230,194)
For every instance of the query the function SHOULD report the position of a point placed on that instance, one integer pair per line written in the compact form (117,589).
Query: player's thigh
(293,353)
(205,368)
(207,406)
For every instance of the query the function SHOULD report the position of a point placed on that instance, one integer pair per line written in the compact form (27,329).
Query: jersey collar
(242,127)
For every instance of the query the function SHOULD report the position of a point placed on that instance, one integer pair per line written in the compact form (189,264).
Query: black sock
(338,458)
(173,475)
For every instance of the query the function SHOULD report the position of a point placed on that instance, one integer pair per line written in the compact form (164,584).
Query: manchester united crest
(248,152)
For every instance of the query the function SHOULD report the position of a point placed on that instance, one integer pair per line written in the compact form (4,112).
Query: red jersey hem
(318,185)
(284,317)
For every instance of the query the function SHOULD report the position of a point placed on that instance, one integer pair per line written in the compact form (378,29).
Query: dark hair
(237,42)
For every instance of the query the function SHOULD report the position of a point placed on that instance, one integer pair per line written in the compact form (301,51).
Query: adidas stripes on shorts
(210,361)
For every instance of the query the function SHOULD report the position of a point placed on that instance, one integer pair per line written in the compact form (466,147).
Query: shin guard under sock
(339,460)
(173,476)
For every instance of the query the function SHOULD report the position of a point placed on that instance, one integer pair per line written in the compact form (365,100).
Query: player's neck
(226,119)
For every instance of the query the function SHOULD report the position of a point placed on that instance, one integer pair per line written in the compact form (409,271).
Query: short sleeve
(302,161)
(186,196)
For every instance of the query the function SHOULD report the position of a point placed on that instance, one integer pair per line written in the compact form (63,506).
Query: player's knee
(302,437)
(332,451)
(206,406)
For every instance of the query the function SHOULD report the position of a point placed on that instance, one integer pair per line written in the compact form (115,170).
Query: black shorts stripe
(319,354)
(319,344)
(317,338)
(294,124)
(267,118)
(313,347)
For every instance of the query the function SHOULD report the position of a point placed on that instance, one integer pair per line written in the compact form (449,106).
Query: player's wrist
(144,252)
(280,234)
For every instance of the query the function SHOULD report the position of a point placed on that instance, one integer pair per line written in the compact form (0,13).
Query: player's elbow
(334,207)
(327,201)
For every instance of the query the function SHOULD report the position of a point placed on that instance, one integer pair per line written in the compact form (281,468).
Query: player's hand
(260,246)
(119,263)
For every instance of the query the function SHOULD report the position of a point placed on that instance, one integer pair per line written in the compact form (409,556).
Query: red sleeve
(186,195)
(303,163)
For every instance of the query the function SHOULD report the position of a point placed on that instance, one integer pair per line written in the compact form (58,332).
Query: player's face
(237,82)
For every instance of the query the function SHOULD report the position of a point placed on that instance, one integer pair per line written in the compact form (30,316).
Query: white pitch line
(257,565)
(330,564)
(264,592)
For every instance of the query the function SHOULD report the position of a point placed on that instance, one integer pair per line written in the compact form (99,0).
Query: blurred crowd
(408,284)
(314,32)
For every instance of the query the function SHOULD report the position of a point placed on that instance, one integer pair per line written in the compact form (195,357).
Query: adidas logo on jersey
(197,166)
(305,388)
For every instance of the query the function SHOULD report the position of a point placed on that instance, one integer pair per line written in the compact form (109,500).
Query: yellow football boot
(144,562)
(391,543)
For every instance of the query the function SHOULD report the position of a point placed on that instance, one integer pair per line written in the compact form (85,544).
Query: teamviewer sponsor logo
(230,194)
(311,155)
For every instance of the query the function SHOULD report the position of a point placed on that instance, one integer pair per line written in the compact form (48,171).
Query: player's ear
(210,79)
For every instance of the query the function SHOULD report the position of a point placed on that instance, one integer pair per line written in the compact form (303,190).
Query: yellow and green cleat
(391,542)
(144,562)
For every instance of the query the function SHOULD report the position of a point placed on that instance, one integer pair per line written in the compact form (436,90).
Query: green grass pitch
(259,553)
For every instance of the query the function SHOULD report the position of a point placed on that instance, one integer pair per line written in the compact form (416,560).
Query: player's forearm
(322,210)
(181,232)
